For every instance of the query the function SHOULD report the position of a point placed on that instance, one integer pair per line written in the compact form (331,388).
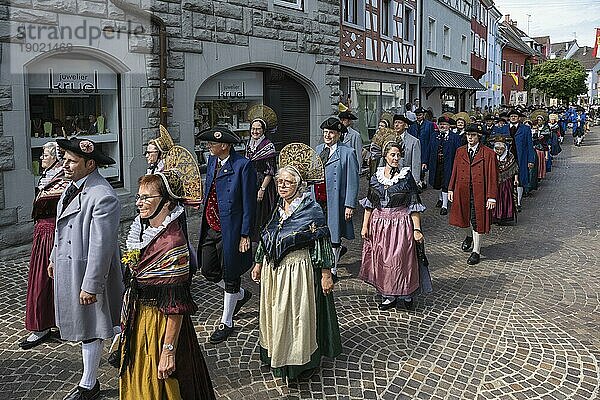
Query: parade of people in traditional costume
(440,159)
(473,190)
(160,353)
(39,305)
(391,232)
(227,223)
(297,319)
(261,152)
(338,195)
(505,211)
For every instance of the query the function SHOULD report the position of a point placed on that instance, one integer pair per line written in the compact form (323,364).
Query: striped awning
(437,78)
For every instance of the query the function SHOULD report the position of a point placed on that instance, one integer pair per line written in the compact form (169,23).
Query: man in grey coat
(412,146)
(85,262)
(352,136)
(341,185)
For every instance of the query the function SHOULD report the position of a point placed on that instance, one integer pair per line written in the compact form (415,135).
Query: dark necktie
(325,154)
(471,154)
(70,194)
(219,165)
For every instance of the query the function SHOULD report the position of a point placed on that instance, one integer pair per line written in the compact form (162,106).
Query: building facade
(189,65)
(379,58)
(447,85)
(584,55)
(491,98)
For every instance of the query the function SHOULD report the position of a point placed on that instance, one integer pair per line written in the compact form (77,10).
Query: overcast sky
(559,19)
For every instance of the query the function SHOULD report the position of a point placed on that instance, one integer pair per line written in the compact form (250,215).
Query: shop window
(295,4)
(75,98)
(449,102)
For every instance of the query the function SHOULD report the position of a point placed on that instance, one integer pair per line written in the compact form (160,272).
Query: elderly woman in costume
(462,119)
(297,320)
(160,354)
(39,309)
(156,151)
(391,231)
(508,180)
(261,152)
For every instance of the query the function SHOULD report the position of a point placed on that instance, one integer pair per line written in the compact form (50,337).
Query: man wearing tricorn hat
(84,263)
(423,130)
(412,146)
(473,190)
(224,251)
(352,136)
(522,149)
(340,192)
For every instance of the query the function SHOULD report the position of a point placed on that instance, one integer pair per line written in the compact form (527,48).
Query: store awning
(437,78)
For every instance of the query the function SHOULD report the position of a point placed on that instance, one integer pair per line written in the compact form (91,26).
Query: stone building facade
(64,61)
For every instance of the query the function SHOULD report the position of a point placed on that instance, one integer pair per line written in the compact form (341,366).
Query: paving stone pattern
(523,324)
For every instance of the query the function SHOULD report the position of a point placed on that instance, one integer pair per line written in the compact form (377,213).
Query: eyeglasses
(45,156)
(150,152)
(145,198)
(285,183)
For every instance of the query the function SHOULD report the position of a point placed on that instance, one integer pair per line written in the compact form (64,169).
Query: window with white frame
(386,17)
(463,48)
(354,12)
(510,67)
(295,4)
(446,41)
(431,35)
(504,66)
(482,48)
(476,43)
(408,24)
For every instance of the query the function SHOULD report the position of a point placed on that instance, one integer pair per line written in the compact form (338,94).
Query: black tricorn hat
(515,111)
(446,119)
(334,124)
(347,115)
(420,110)
(400,117)
(477,128)
(85,148)
(219,134)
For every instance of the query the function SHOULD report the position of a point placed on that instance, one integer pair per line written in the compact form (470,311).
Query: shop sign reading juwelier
(72,82)
(231,89)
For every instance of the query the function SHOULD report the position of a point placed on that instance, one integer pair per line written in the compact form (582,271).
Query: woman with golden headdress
(39,307)
(391,232)
(160,354)
(261,151)
(156,151)
(297,320)
(508,180)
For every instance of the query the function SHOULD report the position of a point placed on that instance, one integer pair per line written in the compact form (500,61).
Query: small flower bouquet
(131,257)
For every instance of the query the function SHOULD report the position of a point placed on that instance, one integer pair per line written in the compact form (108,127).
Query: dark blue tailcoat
(425,133)
(525,152)
(451,144)
(236,195)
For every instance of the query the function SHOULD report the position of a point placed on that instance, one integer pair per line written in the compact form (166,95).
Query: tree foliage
(561,79)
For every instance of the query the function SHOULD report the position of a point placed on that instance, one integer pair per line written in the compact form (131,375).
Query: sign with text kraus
(72,82)
(231,89)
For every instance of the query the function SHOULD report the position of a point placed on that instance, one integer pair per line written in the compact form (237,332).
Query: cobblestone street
(522,324)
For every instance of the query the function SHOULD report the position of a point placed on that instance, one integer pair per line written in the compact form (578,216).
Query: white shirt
(474,148)
(332,149)
(80,182)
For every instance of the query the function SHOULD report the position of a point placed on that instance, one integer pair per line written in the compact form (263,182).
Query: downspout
(419,45)
(162,51)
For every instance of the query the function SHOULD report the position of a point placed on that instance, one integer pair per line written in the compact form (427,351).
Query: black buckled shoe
(438,204)
(473,259)
(221,334)
(443,211)
(467,243)
(244,300)
(29,344)
(409,305)
(343,250)
(84,394)
(387,306)
(114,358)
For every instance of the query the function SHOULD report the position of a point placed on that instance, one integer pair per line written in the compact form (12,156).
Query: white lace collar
(295,204)
(133,238)
(387,181)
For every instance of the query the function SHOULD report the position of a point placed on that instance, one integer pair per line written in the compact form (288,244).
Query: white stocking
(336,258)
(91,353)
(469,231)
(519,194)
(444,199)
(229,302)
(476,242)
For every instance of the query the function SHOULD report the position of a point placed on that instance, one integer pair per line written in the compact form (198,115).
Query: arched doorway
(225,98)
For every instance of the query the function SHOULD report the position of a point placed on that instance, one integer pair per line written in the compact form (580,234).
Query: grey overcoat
(86,257)
(341,184)
(412,155)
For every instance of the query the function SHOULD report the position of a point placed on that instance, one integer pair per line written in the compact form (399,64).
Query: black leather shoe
(473,259)
(335,278)
(84,394)
(307,374)
(409,305)
(221,334)
(438,204)
(466,244)
(244,300)
(387,306)
(519,208)
(443,211)
(114,358)
(26,344)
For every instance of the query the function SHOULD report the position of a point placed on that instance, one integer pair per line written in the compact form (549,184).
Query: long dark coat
(482,173)
(525,152)
(236,194)
(450,146)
